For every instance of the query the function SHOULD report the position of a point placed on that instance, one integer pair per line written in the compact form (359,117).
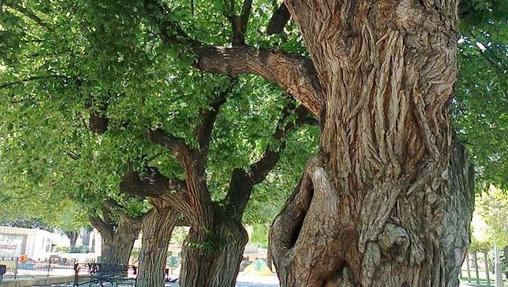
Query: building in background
(36,244)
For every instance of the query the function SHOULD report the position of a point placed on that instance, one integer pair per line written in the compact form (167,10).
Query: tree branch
(106,230)
(278,20)
(239,23)
(175,144)
(28,14)
(98,121)
(153,184)
(207,117)
(293,73)
(260,169)
(156,185)
(72,155)
(29,79)
(242,181)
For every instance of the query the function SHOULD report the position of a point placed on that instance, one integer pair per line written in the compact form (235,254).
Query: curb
(38,281)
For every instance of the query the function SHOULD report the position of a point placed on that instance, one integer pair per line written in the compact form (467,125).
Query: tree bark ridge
(157,227)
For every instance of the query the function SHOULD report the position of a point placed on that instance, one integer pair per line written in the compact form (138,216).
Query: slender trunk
(498,267)
(476,268)
(86,236)
(468,268)
(213,260)
(73,237)
(157,228)
(117,248)
(505,253)
(487,271)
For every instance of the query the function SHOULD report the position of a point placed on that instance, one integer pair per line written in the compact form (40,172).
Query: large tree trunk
(388,200)
(417,238)
(213,260)
(117,247)
(157,228)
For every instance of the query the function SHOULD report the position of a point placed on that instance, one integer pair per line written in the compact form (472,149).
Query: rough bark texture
(117,237)
(117,247)
(157,228)
(214,262)
(388,200)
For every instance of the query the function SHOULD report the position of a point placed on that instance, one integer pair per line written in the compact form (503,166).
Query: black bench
(100,273)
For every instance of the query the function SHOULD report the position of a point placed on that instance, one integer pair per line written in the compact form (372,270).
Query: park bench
(101,273)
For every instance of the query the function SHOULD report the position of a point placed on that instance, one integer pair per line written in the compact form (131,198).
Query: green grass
(483,279)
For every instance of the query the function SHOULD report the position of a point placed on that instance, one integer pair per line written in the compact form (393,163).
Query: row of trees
(152,114)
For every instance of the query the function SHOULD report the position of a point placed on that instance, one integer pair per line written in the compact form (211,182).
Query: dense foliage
(61,68)
(63,61)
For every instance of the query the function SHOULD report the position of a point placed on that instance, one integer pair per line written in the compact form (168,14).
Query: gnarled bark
(117,237)
(157,228)
(117,246)
(388,200)
(420,242)
(213,260)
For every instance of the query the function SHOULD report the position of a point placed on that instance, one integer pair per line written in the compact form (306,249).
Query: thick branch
(157,186)
(153,184)
(293,73)
(114,207)
(106,230)
(177,145)
(279,20)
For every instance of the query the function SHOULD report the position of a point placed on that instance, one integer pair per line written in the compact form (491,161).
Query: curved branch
(295,74)
(153,184)
(28,13)
(106,230)
(156,185)
(261,168)
(175,144)
(207,117)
